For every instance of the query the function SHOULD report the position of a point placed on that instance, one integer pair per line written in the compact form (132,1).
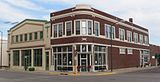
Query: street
(148,75)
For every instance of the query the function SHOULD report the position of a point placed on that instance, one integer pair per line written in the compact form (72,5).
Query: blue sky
(145,13)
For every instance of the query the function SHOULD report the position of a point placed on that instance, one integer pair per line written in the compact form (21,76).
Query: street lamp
(111,34)
(1,46)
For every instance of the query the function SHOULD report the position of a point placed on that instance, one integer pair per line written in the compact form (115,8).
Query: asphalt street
(148,75)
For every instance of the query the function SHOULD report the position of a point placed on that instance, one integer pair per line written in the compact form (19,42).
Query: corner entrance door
(83,65)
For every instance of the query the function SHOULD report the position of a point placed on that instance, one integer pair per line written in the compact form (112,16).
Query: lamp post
(1,46)
(111,38)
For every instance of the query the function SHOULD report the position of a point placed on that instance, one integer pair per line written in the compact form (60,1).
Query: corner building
(85,39)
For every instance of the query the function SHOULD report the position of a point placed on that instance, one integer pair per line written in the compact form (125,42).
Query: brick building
(92,40)
(154,54)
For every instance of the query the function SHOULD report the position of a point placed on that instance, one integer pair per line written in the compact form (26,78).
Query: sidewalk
(115,71)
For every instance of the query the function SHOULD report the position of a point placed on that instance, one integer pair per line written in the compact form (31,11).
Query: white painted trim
(97,15)
(99,45)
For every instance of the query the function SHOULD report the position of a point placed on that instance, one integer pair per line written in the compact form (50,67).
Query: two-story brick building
(92,40)
(81,39)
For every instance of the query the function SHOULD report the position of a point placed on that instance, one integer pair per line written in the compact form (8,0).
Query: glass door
(83,65)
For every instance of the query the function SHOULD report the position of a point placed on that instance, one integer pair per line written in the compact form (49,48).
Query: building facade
(4,61)
(154,55)
(28,45)
(79,39)
(86,39)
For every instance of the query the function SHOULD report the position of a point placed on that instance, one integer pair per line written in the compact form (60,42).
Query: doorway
(83,62)
(47,60)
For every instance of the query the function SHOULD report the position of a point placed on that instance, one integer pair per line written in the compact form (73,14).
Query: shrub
(31,69)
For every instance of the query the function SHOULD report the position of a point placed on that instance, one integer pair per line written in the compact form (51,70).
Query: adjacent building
(4,61)
(28,44)
(81,39)
(154,55)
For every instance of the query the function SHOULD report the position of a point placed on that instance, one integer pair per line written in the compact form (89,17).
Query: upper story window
(135,37)
(129,36)
(68,28)
(41,34)
(84,27)
(17,38)
(121,34)
(25,37)
(55,30)
(35,36)
(21,38)
(109,31)
(146,40)
(96,28)
(77,27)
(30,36)
(12,39)
(60,30)
(90,26)
(141,38)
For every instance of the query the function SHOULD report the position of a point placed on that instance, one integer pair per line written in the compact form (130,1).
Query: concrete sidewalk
(115,71)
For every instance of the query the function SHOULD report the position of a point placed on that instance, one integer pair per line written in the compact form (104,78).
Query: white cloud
(9,13)
(27,4)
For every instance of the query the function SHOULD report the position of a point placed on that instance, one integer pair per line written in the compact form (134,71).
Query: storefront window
(37,57)
(100,57)
(16,58)
(63,61)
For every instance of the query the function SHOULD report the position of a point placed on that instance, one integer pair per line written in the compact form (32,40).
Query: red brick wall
(123,60)
(154,49)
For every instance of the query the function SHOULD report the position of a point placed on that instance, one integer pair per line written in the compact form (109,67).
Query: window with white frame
(122,50)
(68,28)
(141,38)
(84,27)
(129,51)
(146,40)
(60,30)
(77,24)
(109,30)
(121,34)
(96,28)
(135,37)
(55,30)
(129,36)
(90,25)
